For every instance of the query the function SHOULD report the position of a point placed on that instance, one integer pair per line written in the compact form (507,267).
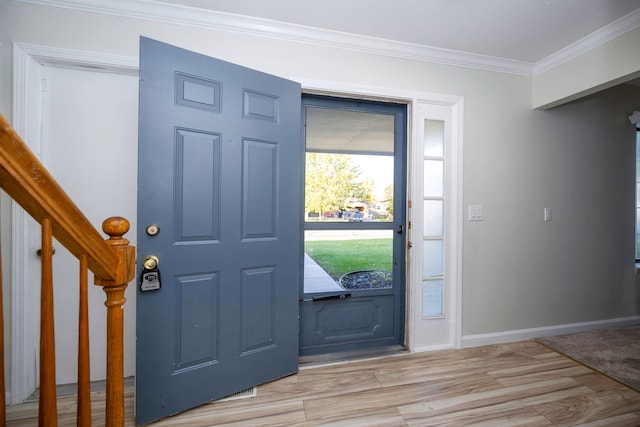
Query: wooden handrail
(28,183)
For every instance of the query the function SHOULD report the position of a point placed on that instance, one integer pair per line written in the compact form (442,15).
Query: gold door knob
(150,262)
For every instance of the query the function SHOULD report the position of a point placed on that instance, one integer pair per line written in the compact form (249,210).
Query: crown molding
(597,38)
(189,16)
(184,15)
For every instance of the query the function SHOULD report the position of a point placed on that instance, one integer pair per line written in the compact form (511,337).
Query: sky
(378,168)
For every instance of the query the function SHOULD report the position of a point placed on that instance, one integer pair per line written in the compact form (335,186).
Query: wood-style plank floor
(515,384)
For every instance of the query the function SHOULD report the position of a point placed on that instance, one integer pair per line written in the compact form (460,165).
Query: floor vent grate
(244,394)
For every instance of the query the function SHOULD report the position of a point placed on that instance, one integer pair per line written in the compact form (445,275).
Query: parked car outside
(356,217)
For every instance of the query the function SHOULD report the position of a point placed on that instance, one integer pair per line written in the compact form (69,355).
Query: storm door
(353,290)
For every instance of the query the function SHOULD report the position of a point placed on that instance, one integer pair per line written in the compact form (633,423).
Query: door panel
(358,322)
(219,174)
(359,318)
(196,192)
(354,262)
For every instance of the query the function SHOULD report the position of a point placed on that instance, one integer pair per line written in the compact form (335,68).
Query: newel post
(116,227)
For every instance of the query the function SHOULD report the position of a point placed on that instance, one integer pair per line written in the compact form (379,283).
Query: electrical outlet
(547,214)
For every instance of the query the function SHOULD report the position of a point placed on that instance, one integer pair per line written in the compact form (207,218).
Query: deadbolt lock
(153,229)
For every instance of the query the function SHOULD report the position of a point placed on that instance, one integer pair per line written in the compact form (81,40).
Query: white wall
(605,66)
(518,271)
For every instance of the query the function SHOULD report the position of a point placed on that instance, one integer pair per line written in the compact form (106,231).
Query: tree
(363,191)
(330,182)
(388,198)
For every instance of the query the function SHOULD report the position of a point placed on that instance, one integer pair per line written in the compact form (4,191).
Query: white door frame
(26,119)
(28,83)
(441,331)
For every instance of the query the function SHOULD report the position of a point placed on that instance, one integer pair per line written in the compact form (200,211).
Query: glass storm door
(353,292)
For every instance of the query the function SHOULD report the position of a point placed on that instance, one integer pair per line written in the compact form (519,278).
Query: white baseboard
(527,334)
(432,348)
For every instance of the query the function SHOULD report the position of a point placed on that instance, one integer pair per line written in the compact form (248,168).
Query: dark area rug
(612,352)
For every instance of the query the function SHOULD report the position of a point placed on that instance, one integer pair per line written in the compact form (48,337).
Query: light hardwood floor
(515,384)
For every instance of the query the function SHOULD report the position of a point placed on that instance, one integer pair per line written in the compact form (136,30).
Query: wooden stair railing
(112,262)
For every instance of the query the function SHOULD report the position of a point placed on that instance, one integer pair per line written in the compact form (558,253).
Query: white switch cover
(475,212)
(547,214)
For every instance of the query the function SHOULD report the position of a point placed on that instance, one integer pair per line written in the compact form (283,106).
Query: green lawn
(338,257)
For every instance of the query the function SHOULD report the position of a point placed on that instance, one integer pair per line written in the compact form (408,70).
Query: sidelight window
(433,222)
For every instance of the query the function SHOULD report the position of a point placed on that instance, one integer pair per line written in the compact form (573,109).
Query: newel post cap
(116,227)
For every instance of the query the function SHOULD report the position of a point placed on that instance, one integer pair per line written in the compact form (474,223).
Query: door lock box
(150,276)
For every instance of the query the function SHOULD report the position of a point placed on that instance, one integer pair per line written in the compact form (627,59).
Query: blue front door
(218,197)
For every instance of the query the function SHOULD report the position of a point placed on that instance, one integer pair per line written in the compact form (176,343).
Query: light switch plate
(475,213)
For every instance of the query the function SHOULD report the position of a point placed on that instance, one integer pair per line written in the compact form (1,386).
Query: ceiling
(349,132)
(521,30)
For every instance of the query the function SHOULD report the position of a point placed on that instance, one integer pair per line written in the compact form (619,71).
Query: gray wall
(579,160)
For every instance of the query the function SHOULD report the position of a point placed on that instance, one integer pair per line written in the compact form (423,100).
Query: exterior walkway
(316,279)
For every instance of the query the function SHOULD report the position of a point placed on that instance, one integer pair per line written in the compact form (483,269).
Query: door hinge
(409,204)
